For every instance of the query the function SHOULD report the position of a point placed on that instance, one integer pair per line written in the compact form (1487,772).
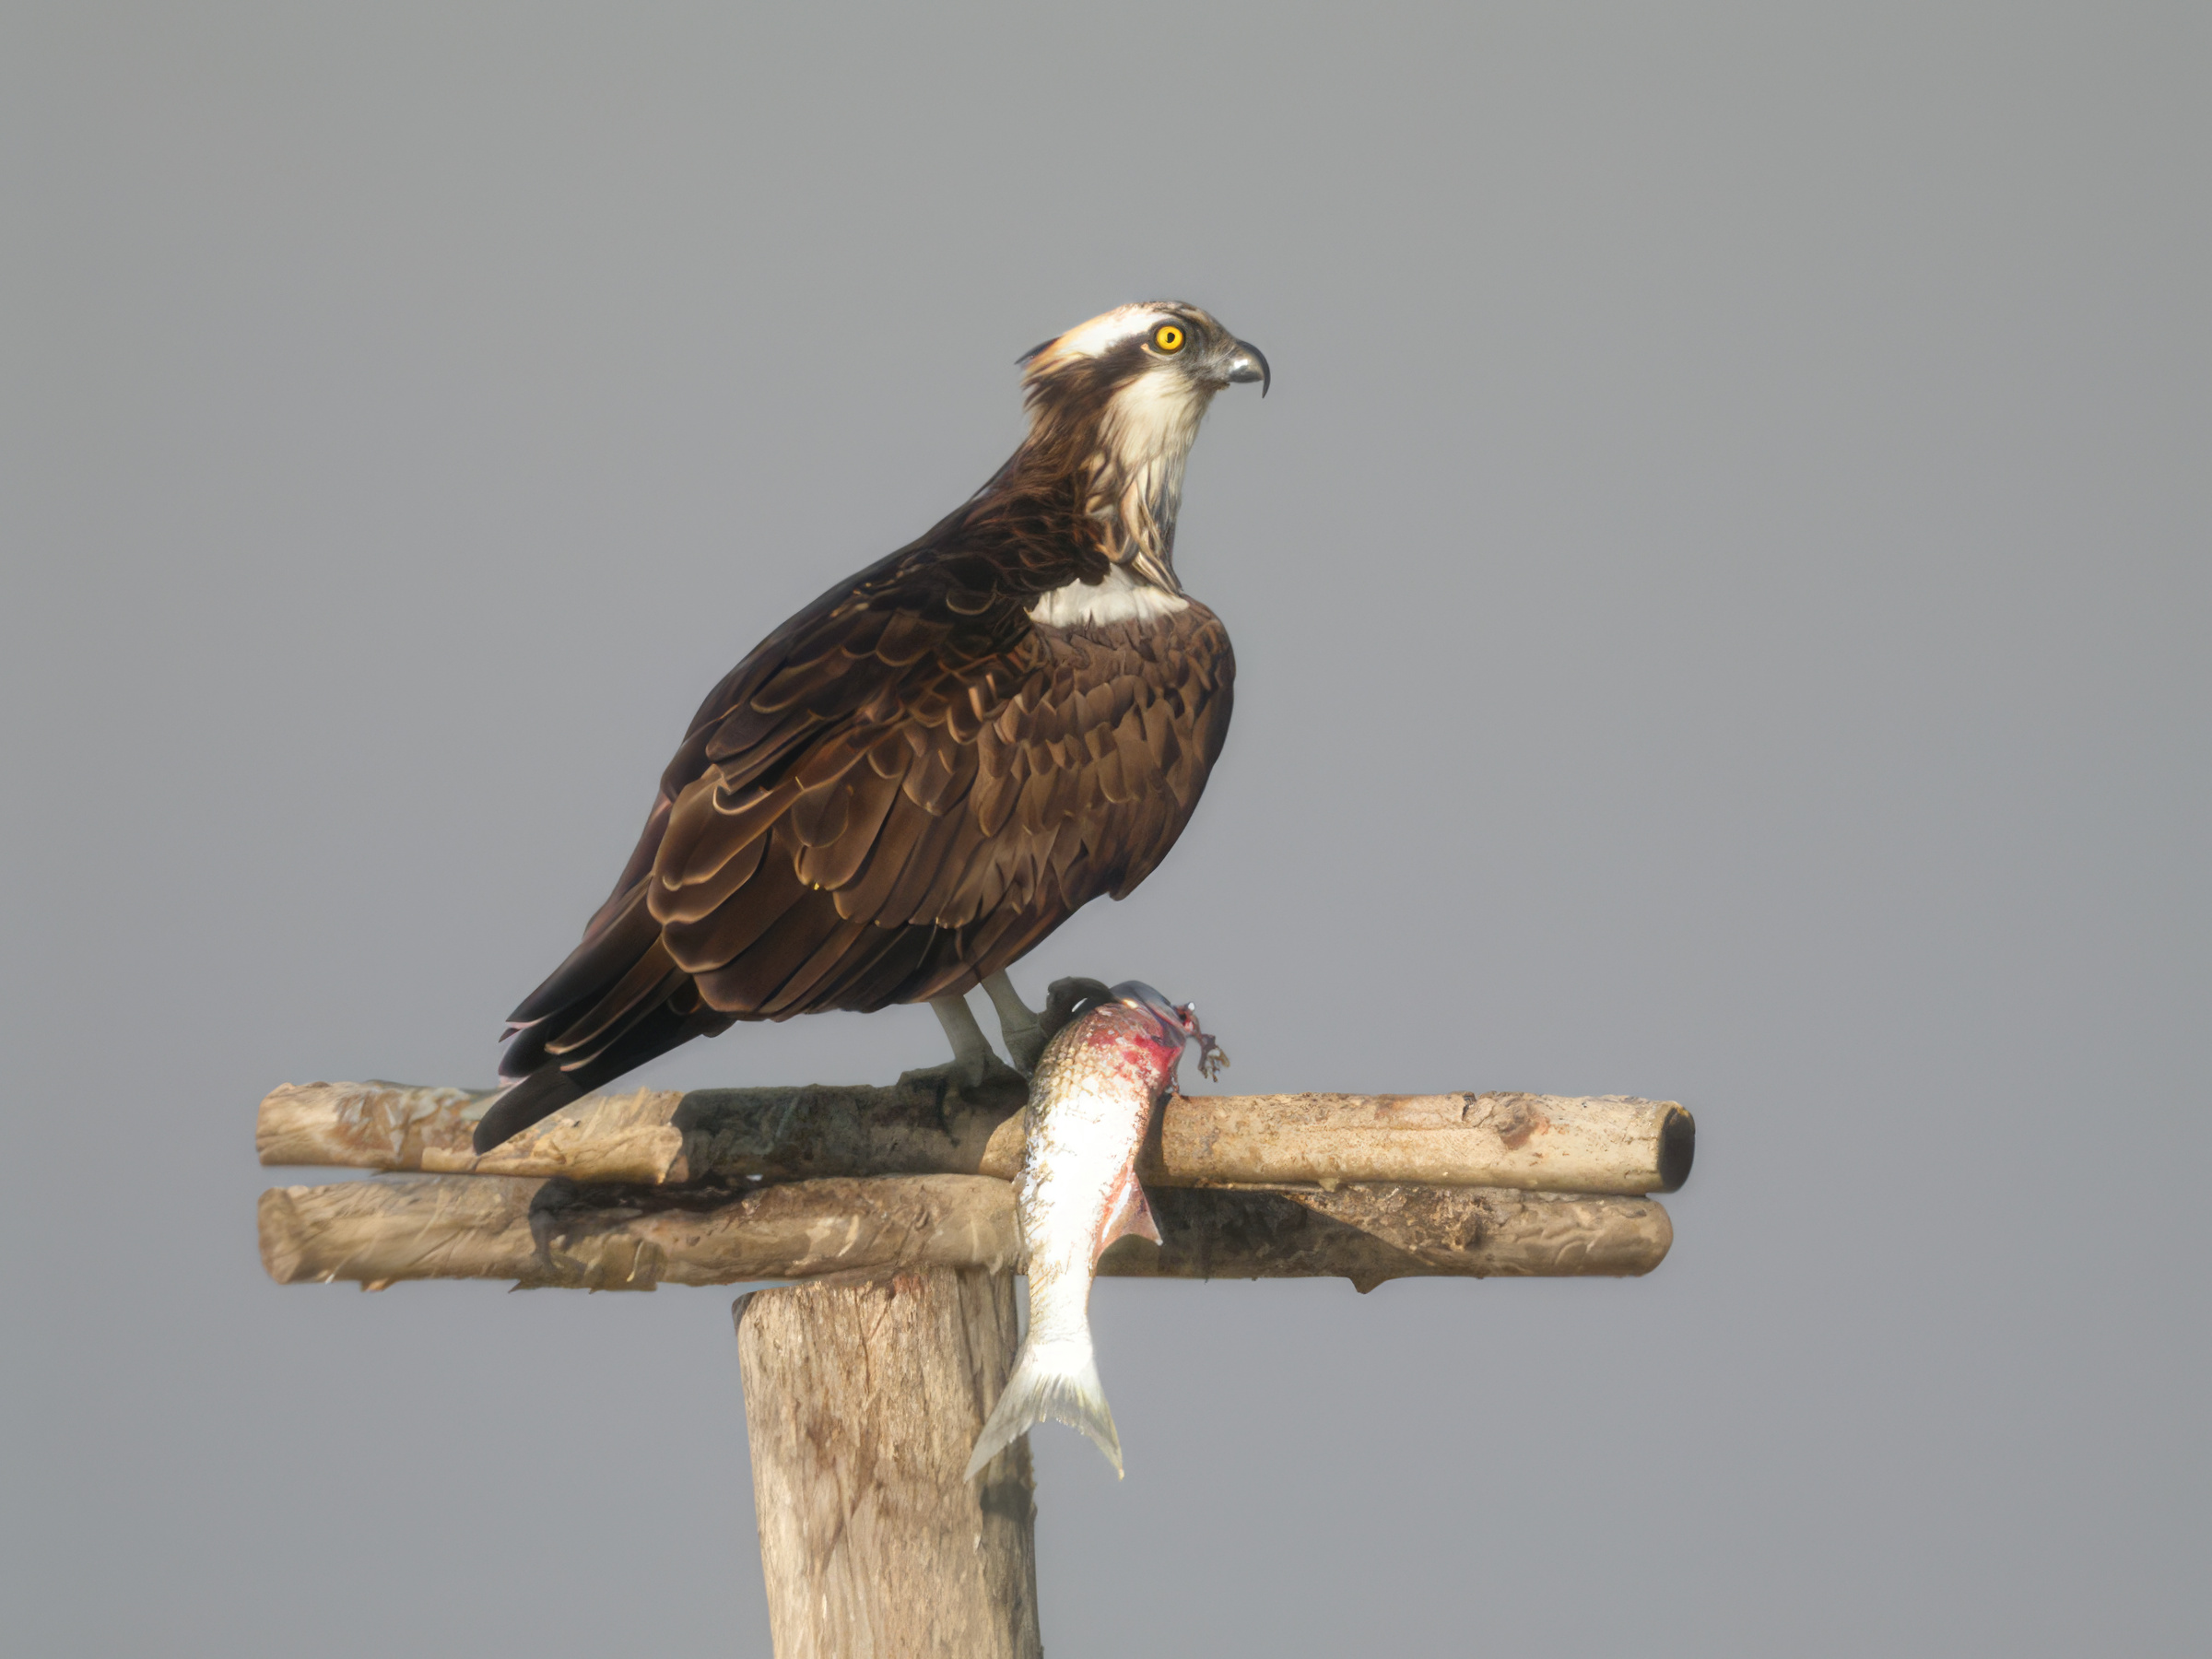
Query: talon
(1066,998)
(989,1081)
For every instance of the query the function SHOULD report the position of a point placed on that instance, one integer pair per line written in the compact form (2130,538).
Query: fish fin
(1059,1381)
(1131,1214)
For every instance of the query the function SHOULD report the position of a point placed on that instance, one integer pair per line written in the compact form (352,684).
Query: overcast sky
(1720,591)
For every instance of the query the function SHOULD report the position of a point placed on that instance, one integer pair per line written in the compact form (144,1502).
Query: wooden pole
(1540,1143)
(862,1402)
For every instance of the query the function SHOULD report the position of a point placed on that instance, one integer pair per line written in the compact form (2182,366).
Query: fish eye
(1169,337)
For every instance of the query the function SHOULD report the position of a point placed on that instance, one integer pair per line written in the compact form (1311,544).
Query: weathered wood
(602,1238)
(1372,1234)
(862,1402)
(1536,1143)
(373,1125)
(555,1232)
(1541,1143)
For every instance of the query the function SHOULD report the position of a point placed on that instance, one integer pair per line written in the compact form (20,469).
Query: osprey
(917,778)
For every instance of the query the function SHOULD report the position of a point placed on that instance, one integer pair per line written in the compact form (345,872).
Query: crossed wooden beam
(866,1382)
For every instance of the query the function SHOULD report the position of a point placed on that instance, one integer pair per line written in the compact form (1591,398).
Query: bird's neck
(1119,465)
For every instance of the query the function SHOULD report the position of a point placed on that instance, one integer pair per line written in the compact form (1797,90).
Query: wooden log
(1538,1143)
(374,1125)
(1373,1234)
(862,1402)
(550,1232)
(553,1232)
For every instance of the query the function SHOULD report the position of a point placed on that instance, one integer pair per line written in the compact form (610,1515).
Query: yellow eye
(1168,337)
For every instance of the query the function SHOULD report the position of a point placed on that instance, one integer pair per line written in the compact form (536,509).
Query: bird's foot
(973,1068)
(1063,997)
(1026,1033)
(982,1084)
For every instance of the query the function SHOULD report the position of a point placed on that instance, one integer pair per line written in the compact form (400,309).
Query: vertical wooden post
(862,1402)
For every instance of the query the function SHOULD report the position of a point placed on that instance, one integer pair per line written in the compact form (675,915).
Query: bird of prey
(917,778)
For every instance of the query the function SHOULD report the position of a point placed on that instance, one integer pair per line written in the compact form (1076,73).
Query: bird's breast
(1120,597)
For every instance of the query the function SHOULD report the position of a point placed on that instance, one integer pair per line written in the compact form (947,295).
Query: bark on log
(862,1402)
(601,1237)
(552,1232)
(1538,1143)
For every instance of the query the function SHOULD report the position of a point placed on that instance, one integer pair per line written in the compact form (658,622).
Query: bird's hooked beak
(1246,364)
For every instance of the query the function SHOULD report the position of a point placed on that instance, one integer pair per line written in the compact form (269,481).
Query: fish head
(1176,1024)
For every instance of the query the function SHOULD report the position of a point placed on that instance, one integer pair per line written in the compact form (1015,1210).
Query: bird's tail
(1059,1380)
(618,1001)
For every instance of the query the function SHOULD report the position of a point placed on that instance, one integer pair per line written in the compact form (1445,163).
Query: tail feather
(550,1084)
(1059,1381)
(522,1104)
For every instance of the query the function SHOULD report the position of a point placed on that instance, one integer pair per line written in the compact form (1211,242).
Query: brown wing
(926,835)
(897,794)
(953,596)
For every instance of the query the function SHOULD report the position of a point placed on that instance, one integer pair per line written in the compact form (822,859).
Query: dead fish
(1090,1103)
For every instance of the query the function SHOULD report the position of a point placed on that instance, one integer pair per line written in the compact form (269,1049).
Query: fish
(1091,1100)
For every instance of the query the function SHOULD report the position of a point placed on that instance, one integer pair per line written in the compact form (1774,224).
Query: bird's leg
(971,1055)
(1018,1027)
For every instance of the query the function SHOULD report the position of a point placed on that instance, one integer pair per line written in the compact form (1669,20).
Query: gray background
(1720,595)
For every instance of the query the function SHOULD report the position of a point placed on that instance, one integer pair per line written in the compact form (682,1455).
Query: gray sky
(1721,595)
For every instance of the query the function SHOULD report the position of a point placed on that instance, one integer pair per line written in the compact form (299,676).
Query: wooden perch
(540,1231)
(866,1387)
(660,1138)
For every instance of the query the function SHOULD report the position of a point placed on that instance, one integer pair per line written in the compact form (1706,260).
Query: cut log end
(1677,1148)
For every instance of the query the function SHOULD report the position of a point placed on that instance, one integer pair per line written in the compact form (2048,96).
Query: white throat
(1146,435)
(1122,597)
(1134,484)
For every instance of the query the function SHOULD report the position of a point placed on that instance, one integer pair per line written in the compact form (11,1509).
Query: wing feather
(718,938)
(836,950)
(907,638)
(905,828)
(636,993)
(948,842)
(701,895)
(868,797)
(614,941)
(749,981)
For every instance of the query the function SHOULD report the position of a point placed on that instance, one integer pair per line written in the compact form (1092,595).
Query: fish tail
(1056,1380)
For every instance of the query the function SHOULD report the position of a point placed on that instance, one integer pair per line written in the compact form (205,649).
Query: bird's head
(1157,351)
(1116,402)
